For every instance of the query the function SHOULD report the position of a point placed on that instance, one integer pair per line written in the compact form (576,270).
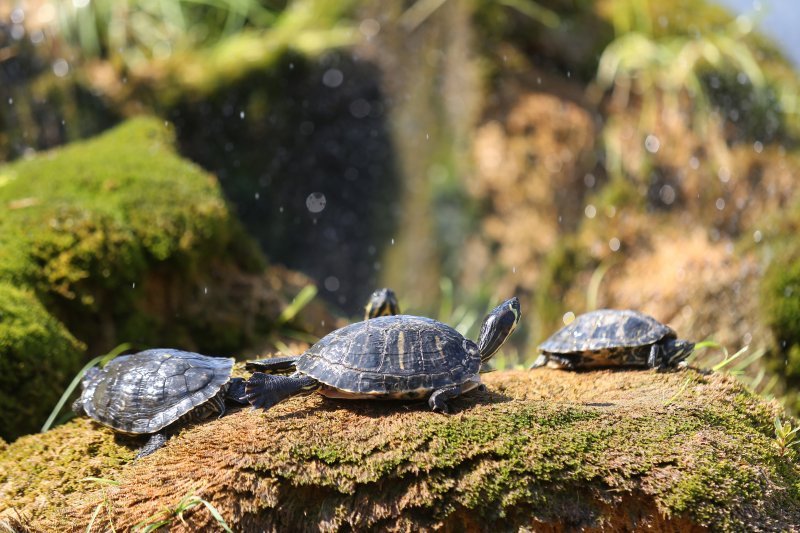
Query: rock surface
(546,449)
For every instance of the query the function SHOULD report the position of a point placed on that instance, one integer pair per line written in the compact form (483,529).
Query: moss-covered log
(546,450)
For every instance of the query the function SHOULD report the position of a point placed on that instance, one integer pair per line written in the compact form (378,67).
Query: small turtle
(391,357)
(155,391)
(382,302)
(612,337)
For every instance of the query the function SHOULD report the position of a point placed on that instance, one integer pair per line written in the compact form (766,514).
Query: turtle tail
(265,390)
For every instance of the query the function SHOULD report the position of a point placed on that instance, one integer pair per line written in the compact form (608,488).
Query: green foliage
(168,516)
(785,435)
(37,358)
(137,30)
(670,64)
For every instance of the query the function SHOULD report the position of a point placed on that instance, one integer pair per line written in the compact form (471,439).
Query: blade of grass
(728,360)
(77,379)
(302,299)
(96,512)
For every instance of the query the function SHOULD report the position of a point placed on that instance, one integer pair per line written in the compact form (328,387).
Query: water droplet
(332,78)
(720,203)
(568,317)
(590,211)
(667,194)
(10,101)
(757,236)
(60,67)
(316,202)
(369,28)
(652,144)
(724,174)
(205,290)
(360,108)
(133,285)
(742,79)
(17,15)
(331,283)
(758,147)
(392,241)
(241,114)
(614,244)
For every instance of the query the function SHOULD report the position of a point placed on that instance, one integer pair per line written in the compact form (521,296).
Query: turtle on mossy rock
(156,391)
(382,302)
(612,337)
(398,357)
(537,451)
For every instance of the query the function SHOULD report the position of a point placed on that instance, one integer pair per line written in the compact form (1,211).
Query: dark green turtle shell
(147,391)
(392,356)
(607,330)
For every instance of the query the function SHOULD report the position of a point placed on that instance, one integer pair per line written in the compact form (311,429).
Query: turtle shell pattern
(147,391)
(607,337)
(392,357)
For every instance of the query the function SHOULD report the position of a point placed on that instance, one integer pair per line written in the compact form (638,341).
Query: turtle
(155,391)
(382,302)
(613,337)
(391,357)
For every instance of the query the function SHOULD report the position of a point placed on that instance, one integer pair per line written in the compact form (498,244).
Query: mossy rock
(121,240)
(551,450)
(38,356)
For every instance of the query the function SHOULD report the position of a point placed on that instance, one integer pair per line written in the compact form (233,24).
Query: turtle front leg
(656,358)
(439,398)
(156,441)
(541,361)
(265,390)
(236,391)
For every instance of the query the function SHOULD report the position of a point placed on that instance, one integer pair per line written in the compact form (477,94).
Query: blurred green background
(579,154)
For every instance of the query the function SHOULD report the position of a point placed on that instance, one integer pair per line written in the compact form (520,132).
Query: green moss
(38,357)
(116,236)
(780,293)
(555,448)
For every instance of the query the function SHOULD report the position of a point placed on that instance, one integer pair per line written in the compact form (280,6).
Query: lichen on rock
(541,449)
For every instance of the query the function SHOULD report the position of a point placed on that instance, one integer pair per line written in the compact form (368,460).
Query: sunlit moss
(38,356)
(105,233)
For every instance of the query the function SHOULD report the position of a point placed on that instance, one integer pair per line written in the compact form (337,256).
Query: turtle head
(383,302)
(675,351)
(497,326)
(669,353)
